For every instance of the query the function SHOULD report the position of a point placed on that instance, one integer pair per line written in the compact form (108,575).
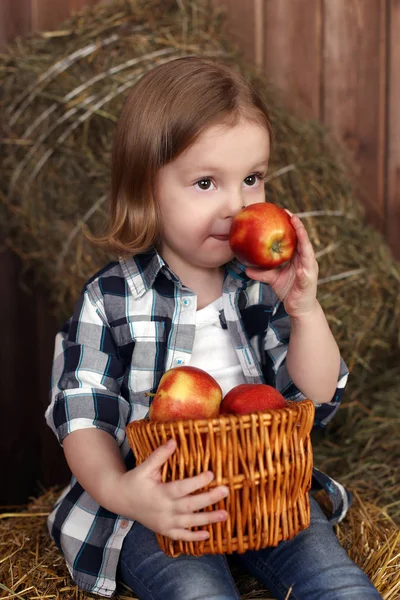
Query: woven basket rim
(227,419)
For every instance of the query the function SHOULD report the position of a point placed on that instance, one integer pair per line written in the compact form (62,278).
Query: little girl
(191,150)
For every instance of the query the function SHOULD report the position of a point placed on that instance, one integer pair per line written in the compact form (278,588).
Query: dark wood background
(334,60)
(31,458)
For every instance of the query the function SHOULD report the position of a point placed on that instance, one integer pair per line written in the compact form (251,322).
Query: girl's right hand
(169,508)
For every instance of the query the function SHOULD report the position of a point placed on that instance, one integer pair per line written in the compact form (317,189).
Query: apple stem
(149,394)
(276,247)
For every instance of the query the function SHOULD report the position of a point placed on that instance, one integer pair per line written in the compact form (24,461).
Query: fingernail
(224,490)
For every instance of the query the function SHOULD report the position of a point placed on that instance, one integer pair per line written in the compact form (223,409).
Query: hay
(32,568)
(61,96)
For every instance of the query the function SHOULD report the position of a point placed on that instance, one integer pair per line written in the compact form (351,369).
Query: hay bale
(62,92)
(31,567)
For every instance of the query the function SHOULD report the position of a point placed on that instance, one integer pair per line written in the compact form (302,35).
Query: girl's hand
(296,282)
(169,508)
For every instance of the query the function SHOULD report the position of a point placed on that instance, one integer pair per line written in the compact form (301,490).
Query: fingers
(306,265)
(185,516)
(184,487)
(281,279)
(159,456)
(202,518)
(304,246)
(271,276)
(191,503)
(184,503)
(189,536)
(182,532)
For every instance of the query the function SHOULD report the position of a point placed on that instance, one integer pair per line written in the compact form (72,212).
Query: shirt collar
(142,270)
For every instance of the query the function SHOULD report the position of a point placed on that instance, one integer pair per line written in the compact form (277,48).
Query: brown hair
(164,113)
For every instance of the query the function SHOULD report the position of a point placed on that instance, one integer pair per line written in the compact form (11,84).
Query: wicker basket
(265,458)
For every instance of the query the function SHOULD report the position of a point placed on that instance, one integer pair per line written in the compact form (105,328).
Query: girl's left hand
(296,282)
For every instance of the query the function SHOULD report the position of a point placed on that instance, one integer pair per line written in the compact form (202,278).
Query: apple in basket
(251,397)
(185,393)
(262,235)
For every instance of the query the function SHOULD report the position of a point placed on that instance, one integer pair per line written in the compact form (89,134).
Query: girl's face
(201,191)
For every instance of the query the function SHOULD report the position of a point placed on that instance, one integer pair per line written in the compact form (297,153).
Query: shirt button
(186,302)
(124,524)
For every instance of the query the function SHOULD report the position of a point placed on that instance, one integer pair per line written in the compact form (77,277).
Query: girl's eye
(254,178)
(204,183)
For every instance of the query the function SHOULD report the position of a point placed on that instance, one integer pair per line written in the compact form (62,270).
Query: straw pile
(61,95)
(31,568)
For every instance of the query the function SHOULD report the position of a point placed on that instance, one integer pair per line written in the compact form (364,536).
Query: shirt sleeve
(276,347)
(87,373)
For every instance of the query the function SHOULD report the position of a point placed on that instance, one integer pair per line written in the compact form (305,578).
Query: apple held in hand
(186,393)
(251,397)
(262,235)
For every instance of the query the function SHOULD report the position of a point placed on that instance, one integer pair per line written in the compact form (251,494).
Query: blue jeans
(313,563)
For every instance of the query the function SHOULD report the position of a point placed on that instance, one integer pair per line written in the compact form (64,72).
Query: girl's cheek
(254,190)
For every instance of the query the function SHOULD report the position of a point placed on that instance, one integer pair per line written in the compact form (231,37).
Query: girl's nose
(235,203)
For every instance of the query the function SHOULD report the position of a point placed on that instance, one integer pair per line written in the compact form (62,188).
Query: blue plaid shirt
(133,321)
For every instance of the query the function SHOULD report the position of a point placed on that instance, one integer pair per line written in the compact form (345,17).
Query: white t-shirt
(213,350)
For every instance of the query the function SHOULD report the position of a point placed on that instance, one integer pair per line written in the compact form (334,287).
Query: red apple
(262,235)
(251,397)
(186,393)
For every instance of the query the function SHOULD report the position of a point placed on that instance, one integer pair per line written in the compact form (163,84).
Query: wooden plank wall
(393,130)
(31,458)
(334,60)
(337,61)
